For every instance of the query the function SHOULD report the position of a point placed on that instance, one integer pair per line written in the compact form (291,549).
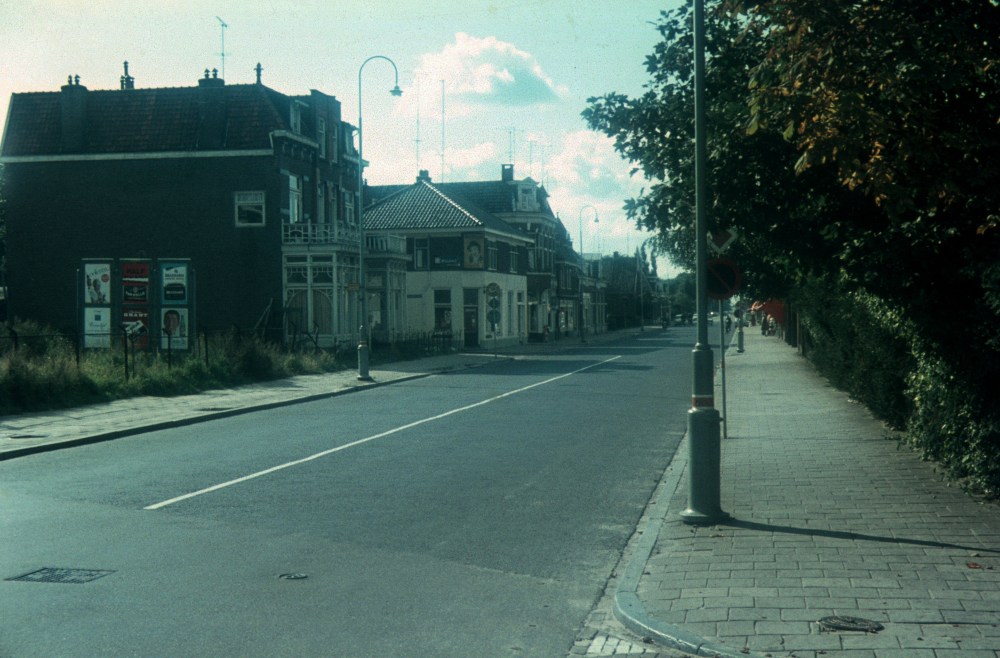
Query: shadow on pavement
(839,534)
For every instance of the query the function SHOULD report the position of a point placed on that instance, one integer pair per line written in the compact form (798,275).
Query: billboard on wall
(97,283)
(97,326)
(136,323)
(474,253)
(175,329)
(174,283)
(135,283)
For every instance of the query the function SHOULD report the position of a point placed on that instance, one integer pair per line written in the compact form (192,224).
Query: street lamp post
(363,283)
(704,463)
(583,259)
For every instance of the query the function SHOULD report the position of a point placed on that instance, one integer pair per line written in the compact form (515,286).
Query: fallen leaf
(973,565)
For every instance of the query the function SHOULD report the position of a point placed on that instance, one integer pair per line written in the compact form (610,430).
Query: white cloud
(477,72)
(588,164)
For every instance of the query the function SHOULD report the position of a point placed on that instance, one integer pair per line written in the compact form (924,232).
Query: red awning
(772,307)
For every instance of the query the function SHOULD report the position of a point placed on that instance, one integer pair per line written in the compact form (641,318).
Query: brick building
(254,188)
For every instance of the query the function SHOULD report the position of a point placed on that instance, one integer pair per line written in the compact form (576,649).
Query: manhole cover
(850,624)
(65,576)
(293,576)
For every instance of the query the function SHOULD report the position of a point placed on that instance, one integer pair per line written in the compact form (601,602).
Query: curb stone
(630,611)
(216,415)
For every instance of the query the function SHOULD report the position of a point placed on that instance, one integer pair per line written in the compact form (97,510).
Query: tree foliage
(853,143)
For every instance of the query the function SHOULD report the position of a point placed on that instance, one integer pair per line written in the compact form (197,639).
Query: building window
(491,254)
(442,310)
(294,199)
(249,208)
(420,249)
(513,259)
(321,136)
(331,203)
(333,144)
(526,199)
(320,202)
(349,207)
(295,118)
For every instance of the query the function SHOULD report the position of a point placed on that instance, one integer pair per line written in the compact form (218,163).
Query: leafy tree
(893,92)
(854,145)
(783,218)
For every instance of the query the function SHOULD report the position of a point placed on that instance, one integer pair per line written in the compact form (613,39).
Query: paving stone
(830,518)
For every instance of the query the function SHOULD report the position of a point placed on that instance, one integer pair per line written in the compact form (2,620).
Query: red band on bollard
(702,400)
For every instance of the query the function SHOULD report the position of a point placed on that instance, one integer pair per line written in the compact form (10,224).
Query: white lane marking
(370,438)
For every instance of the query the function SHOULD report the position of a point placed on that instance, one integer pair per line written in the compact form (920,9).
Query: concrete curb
(630,611)
(215,415)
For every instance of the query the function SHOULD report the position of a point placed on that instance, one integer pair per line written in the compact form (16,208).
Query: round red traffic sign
(723,278)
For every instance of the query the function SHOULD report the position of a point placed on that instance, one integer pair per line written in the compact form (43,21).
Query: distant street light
(583,258)
(363,293)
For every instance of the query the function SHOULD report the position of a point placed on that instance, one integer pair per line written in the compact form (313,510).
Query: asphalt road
(470,514)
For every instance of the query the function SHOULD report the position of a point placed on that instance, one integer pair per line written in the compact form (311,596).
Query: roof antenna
(223,53)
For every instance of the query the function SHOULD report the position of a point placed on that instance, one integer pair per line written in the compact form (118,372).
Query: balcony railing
(380,244)
(306,233)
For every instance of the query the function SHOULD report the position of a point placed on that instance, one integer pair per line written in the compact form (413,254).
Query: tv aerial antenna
(222,54)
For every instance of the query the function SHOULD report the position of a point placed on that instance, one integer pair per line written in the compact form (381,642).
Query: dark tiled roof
(496,197)
(425,206)
(144,120)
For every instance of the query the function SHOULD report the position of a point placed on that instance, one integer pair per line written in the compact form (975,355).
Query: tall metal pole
(583,312)
(703,418)
(363,348)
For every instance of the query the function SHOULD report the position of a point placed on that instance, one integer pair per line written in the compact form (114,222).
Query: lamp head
(396,91)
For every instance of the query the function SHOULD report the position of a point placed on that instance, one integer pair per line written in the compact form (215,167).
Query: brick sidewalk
(830,517)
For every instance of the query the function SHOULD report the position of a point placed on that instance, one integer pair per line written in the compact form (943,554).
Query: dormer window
(295,118)
(526,199)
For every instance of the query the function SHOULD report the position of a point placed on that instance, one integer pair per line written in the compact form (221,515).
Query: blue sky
(516,75)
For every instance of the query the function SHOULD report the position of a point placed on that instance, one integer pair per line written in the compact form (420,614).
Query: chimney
(425,176)
(73,108)
(214,81)
(212,121)
(507,173)
(127,81)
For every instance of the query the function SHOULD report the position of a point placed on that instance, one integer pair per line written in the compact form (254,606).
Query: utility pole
(704,447)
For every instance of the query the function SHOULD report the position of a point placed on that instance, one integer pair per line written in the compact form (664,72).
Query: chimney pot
(425,175)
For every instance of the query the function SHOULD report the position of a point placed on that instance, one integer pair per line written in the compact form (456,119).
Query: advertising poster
(97,325)
(135,283)
(174,326)
(136,321)
(474,253)
(175,283)
(97,283)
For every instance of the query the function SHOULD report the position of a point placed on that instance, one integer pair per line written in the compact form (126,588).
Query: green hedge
(942,395)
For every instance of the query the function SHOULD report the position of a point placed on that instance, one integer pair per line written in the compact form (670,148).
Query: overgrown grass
(42,373)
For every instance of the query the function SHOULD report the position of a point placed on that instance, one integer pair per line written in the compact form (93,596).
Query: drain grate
(26,436)
(64,576)
(850,624)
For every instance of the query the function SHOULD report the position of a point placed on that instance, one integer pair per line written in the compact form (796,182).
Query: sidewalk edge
(194,420)
(630,611)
